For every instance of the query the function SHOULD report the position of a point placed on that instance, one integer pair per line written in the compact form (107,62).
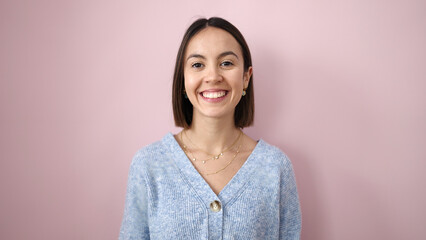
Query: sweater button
(215,206)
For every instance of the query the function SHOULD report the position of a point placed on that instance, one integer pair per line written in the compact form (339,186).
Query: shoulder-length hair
(182,107)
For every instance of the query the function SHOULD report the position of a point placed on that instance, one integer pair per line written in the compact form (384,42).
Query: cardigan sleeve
(290,214)
(135,219)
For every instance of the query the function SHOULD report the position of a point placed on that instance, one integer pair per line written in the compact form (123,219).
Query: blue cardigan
(168,199)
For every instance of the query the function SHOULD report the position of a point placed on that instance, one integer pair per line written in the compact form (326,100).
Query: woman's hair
(182,107)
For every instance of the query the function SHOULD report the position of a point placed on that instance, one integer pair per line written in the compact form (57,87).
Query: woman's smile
(214,95)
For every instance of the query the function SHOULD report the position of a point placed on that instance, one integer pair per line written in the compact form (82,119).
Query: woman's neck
(212,134)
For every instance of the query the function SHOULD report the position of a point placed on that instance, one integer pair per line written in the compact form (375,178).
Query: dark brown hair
(182,107)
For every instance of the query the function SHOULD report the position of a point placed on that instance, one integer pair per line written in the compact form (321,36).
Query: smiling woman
(212,181)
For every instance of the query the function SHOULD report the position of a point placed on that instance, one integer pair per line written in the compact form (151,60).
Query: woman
(211,181)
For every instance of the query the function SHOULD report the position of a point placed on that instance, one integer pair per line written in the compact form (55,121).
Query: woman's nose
(213,75)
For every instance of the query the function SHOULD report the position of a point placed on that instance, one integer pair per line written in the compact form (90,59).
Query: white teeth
(214,94)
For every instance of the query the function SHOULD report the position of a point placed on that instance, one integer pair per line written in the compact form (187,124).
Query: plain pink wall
(340,87)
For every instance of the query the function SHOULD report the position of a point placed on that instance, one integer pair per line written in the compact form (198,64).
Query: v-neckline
(201,188)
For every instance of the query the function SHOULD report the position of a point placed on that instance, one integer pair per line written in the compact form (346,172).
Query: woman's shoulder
(267,148)
(271,154)
(154,151)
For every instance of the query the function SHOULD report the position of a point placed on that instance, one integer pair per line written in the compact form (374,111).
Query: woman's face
(214,73)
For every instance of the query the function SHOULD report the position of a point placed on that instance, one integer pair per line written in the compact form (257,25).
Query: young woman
(211,181)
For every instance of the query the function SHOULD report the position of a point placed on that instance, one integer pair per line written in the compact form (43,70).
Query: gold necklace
(188,152)
(229,163)
(212,156)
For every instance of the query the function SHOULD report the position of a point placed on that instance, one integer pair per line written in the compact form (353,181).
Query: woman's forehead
(212,41)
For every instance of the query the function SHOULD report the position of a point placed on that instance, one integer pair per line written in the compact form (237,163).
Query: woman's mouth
(214,96)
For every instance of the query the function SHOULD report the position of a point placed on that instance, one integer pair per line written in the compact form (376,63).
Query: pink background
(340,87)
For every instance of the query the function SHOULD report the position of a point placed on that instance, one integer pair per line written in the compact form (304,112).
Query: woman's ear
(247,76)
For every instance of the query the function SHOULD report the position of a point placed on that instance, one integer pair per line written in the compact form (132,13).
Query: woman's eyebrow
(196,55)
(226,54)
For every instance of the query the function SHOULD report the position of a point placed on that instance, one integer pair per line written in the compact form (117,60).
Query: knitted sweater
(168,199)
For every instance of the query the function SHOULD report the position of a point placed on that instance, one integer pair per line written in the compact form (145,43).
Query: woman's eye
(196,65)
(226,63)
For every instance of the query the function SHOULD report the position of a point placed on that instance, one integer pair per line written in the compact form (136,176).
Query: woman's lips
(214,96)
